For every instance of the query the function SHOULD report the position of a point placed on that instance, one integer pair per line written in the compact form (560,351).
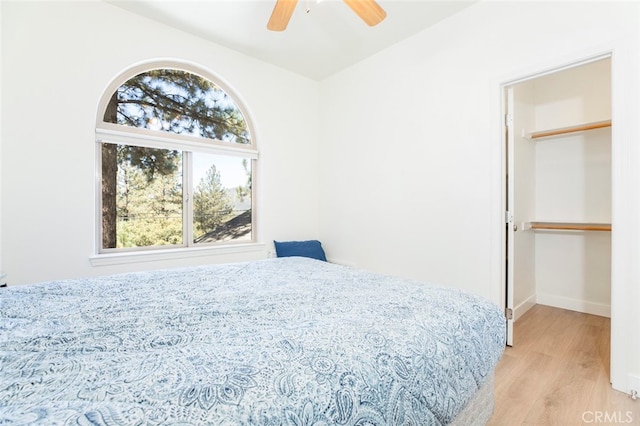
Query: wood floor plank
(557,373)
(561,402)
(523,381)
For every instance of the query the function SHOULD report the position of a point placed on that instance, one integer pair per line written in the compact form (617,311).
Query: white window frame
(119,134)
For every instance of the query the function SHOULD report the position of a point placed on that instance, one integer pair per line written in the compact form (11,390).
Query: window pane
(144,200)
(221,198)
(179,102)
(146,207)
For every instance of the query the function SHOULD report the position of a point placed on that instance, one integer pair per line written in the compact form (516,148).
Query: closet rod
(571,226)
(572,129)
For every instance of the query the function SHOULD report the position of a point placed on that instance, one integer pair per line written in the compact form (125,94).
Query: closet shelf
(572,129)
(571,226)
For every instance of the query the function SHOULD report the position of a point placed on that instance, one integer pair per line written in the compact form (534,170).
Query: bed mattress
(285,341)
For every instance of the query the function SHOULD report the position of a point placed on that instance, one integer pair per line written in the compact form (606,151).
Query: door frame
(507,251)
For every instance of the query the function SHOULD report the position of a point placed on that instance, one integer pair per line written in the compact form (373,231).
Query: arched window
(176,160)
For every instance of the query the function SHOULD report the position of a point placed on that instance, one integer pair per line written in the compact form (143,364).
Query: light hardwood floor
(557,373)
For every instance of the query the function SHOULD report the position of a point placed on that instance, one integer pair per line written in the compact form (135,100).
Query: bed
(282,341)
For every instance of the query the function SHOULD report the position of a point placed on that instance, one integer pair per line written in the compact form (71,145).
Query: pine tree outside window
(175,163)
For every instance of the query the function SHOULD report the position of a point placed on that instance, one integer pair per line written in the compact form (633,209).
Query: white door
(520,182)
(510,255)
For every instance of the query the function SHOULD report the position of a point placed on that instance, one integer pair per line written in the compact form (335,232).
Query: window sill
(106,259)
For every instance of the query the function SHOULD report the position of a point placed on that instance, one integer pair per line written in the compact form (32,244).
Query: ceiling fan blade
(368,10)
(281,14)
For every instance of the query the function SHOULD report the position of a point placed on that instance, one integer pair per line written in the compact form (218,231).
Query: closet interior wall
(565,179)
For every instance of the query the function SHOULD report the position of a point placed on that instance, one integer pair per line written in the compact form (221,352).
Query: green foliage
(179,102)
(151,161)
(211,203)
(149,210)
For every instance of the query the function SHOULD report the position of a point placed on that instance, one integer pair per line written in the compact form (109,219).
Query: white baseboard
(342,262)
(523,307)
(574,305)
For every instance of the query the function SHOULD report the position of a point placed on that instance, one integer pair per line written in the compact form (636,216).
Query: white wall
(414,148)
(573,269)
(58,58)
(573,184)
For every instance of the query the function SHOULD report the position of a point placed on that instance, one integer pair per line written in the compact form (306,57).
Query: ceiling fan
(368,10)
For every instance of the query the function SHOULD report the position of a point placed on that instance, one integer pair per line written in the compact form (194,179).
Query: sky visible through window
(232,172)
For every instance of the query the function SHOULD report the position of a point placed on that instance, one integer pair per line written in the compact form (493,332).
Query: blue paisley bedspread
(289,341)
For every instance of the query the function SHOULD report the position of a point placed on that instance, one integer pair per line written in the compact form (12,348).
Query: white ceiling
(327,39)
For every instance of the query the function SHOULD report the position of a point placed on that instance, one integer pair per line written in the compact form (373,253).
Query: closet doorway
(558,191)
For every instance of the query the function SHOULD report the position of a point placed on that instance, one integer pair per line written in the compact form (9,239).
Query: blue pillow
(309,248)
